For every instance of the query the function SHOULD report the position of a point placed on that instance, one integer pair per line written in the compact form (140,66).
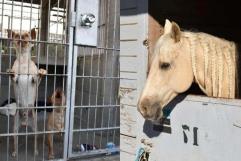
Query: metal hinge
(72,19)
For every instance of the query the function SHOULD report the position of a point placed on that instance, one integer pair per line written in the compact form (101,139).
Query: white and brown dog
(26,78)
(56,118)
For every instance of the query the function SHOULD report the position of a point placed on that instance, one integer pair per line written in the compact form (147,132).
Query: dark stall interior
(219,18)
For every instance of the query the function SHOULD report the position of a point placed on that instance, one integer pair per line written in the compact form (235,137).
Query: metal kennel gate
(95,78)
(78,44)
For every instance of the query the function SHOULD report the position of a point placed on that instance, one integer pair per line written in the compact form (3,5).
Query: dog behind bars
(55,118)
(26,78)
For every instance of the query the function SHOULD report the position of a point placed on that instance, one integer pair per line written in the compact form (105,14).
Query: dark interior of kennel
(219,18)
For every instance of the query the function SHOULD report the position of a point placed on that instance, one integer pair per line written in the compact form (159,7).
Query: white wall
(133,65)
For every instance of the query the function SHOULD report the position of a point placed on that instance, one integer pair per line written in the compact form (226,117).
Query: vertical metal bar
(26,136)
(82,87)
(105,68)
(65,20)
(55,59)
(100,38)
(71,72)
(27,90)
(36,99)
(97,89)
(113,56)
(1,59)
(47,68)
(83,74)
(90,81)
(56,46)
(21,16)
(65,50)
(101,43)
(1,47)
(2,21)
(9,79)
(1,53)
(46,77)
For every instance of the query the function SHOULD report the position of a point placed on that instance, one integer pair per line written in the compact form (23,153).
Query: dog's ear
(10,33)
(33,34)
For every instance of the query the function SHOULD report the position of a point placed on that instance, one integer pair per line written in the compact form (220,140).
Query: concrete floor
(26,148)
(102,158)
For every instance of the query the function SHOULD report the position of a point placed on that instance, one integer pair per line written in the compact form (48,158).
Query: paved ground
(26,144)
(102,158)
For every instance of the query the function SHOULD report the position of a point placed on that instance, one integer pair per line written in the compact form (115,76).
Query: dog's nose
(149,109)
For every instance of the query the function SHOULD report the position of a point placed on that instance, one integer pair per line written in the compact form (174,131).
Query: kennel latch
(87,19)
(86,22)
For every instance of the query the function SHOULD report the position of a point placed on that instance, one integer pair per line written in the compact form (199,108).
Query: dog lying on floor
(55,118)
(25,78)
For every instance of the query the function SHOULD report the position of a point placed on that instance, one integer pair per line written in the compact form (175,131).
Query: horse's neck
(213,64)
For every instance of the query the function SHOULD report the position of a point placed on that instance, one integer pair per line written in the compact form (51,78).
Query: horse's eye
(165,66)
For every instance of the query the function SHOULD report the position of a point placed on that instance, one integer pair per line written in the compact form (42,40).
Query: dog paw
(42,71)
(14,154)
(10,71)
(51,156)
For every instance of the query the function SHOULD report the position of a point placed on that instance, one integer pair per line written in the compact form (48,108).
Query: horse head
(170,73)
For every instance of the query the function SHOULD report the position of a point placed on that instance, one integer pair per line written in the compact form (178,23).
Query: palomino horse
(181,58)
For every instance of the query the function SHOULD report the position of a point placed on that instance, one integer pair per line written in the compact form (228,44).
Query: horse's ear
(175,32)
(167,27)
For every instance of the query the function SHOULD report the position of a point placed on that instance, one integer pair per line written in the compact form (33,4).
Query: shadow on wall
(148,127)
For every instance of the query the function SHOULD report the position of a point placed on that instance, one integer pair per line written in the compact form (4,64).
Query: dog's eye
(165,66)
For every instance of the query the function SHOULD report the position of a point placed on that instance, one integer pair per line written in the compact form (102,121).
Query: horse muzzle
(150,110)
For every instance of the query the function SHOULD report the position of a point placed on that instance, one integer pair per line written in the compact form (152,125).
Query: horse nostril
(143,109)
(144,106)
(149,108)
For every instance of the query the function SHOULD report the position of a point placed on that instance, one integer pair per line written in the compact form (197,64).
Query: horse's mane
(219,55)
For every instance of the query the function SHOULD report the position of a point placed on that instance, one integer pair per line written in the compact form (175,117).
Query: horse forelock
(166,49)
